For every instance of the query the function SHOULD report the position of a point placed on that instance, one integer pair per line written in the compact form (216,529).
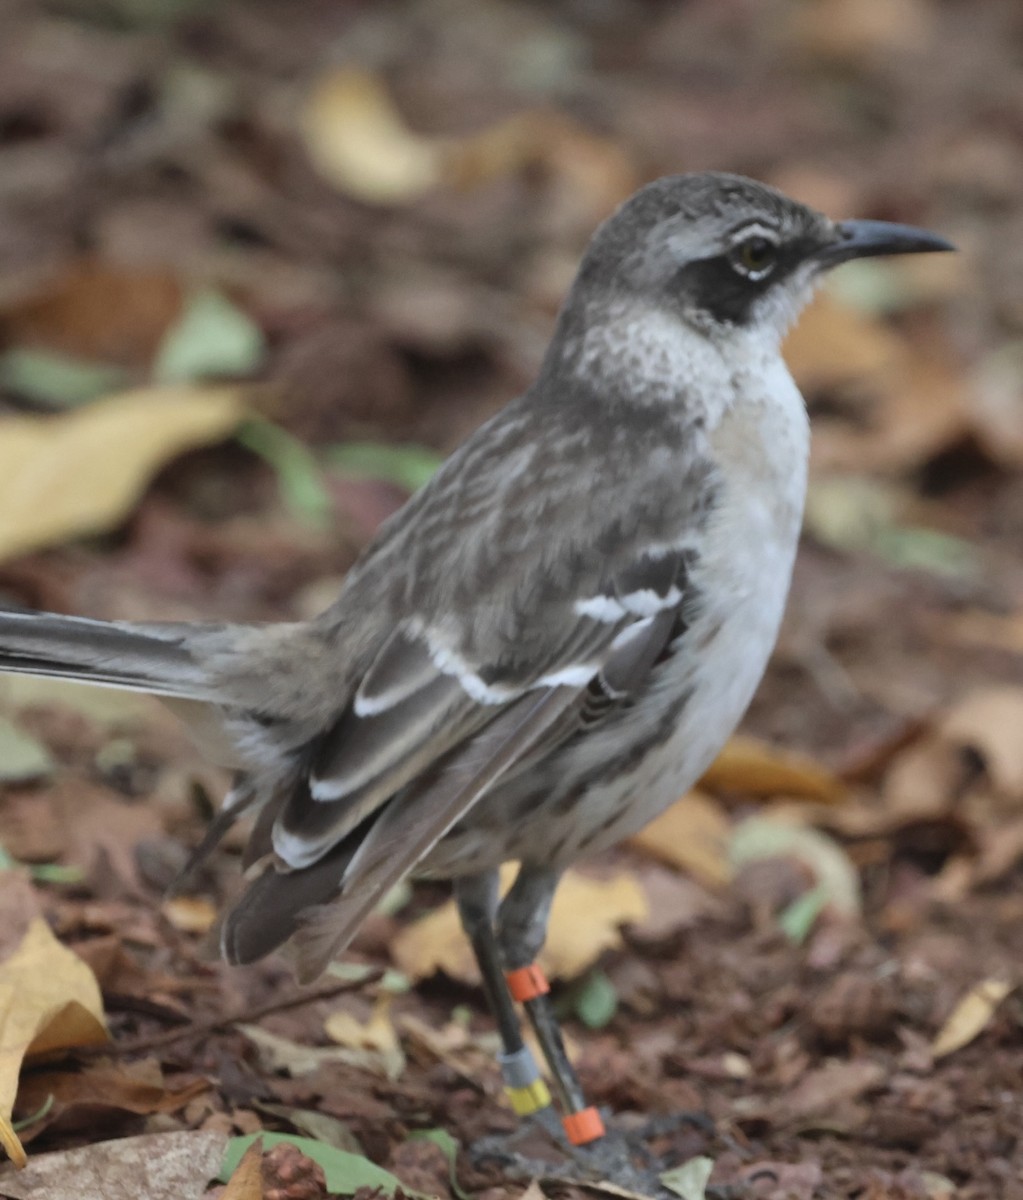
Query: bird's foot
(625,1156)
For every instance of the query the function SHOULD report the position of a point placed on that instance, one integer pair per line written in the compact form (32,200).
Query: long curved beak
(871,239)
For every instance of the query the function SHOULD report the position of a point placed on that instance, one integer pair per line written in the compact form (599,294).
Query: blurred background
(263,263)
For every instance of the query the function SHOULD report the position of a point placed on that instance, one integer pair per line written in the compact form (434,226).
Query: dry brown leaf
(376,1037)
(990,721)
(79,473)
(49,1001)
(98,311)
(829,1087)
(970,1016)
(246,1182)
(755,767)
(136,1087)
(585,920)
(155,1166)
(693,834)
(834,344)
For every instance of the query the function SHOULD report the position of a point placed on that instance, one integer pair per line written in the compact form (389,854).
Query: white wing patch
(644,602)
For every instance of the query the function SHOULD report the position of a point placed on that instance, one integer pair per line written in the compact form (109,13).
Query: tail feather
(140,658)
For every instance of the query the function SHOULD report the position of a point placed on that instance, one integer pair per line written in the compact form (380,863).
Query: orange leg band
(583,1126)
(526,983)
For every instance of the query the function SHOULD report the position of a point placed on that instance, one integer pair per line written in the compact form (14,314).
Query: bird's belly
(607,784)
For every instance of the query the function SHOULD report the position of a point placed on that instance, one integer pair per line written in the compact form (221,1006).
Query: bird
(551,641)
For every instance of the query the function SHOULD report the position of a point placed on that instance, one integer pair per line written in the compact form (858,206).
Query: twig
(212,1024)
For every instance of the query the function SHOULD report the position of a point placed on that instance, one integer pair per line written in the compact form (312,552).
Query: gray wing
(513,579)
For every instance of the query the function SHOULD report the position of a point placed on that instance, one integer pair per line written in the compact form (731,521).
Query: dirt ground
(329,238)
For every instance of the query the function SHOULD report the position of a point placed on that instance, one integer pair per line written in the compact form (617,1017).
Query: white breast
(746,558)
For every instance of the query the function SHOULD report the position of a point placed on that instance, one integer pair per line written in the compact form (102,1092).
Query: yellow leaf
(585,921)
(693,834)
(990,721)
(49,1001)
(377,1036)
(749,765)
(80,473)
(189,914)
(970,1016)
(357,140)
(246,1182)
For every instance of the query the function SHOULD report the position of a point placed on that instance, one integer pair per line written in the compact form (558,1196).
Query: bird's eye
(754,257)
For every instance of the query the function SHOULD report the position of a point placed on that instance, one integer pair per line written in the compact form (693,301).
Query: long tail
(140,658)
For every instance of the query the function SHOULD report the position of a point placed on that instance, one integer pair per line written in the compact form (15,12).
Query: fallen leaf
(834,344)
(21,755)
(690,1179)
(135,1088)
(990,722)
(56,380)
(829,1087)
(376,1037)
(449,1148)
(155,1166)
(585,921)
(97,311)
(81,472)
(320,1126)
(750,765)
(190,914)
(763,838)
(246,1181)
(345,1172)
(49,1001)
(970,1016)
(211,338)
(693,834)
(595,1001)
(358,141)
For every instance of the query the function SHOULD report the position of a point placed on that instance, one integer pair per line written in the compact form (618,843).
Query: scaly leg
(521,930)
(477,900)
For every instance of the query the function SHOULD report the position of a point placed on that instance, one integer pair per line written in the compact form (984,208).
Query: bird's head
(724,252)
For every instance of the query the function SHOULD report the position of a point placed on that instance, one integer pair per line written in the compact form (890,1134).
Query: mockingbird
(552,640)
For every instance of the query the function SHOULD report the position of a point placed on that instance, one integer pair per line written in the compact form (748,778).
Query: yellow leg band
(529,1099)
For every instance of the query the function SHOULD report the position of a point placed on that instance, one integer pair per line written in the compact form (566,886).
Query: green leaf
(22,757)
(298,473)
(595,1000)
(407,466)
(799,917)
(56,873)
(345,1172)
(449,1145)
(690,1179)
(211,338)
(57,380)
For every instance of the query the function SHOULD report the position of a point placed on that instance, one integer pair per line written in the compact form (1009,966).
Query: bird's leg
(521,931)
(477,900)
